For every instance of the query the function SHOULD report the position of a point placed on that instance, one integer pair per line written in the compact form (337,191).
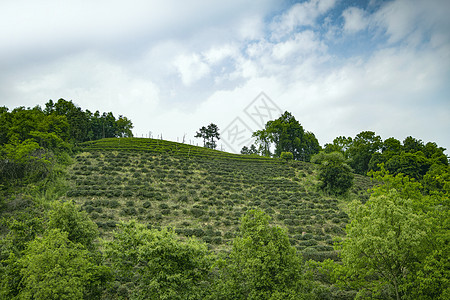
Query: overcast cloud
(340,67)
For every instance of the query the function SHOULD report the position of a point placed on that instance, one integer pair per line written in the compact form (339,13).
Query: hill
(203,193)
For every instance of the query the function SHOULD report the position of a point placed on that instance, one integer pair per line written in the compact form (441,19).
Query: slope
(203,193)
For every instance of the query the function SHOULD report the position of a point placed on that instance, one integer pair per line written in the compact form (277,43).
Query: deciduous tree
(334,174)
(262,264)
(156,264)
(54,267)
(397,242)
(363,146)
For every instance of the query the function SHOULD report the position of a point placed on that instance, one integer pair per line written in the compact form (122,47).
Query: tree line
(345,155)
(32,138)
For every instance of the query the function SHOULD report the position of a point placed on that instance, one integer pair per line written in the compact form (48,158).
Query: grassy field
(203,193)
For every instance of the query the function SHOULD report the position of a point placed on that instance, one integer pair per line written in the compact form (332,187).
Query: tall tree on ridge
(209,135)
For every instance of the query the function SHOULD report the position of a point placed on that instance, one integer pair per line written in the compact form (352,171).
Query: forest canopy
(30,138)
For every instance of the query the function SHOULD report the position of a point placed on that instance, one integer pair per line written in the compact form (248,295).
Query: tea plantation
(203,193)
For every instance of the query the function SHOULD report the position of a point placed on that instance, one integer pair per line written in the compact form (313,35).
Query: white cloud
(355,19)
(302,43)
(191,68)
(94,84)
(300,14)
(173,70)
(414,20)
(217,54)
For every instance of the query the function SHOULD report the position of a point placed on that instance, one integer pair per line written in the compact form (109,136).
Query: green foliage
(30,138)
(287,156)
(360,151)
(67,217)
(396,243)
(384,240)
(334,174)
(340,144)
(166,268)
(249,151)
(263,139)
(25,161)
(437,179)
(54,267)
(288,136)
(262,264)
(209,135)
(414,165)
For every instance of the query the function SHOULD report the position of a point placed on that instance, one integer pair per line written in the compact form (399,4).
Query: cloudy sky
(339,66)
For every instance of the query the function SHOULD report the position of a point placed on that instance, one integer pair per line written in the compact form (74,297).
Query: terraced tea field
(203,193)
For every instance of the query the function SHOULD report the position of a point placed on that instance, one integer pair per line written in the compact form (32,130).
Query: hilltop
(203,193)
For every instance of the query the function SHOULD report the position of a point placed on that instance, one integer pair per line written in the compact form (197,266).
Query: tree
(85,125)
(414,165)
(209,135)
(54,267)
(124,127)
(287,156)
(435,153)
(334,174)
(437,179)
(157,265)
(249,151)
(391,146)
(288,135)
(310,146)
(23,161)
(263,139)
(21,230)
(262,264)
(68,217)
(245,150)
(253,149)
(77,119)
(364,145)
(412,145)
(397,242)
(340,144)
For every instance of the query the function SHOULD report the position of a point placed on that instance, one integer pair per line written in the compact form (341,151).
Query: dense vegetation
(287,135)
(32,140)
(129,218)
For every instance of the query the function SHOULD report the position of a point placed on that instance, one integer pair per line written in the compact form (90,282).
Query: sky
(339,66)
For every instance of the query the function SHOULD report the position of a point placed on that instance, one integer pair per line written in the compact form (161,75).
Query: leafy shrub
(129,211)
(88,208)
(198,232)
(111,224)
(197,212)
(217,240)
(183,198)
(165,211)
(113,203)
(207,239)
(229,235)
(127,193)
(307,243)
(163,206)
(288,221)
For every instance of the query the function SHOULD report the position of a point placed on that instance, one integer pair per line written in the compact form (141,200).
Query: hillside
(202,192)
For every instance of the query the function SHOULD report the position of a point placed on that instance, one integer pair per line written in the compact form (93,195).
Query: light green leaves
(156,264)
(53,267)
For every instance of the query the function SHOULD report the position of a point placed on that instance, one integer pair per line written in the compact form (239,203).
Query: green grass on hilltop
(203,193)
